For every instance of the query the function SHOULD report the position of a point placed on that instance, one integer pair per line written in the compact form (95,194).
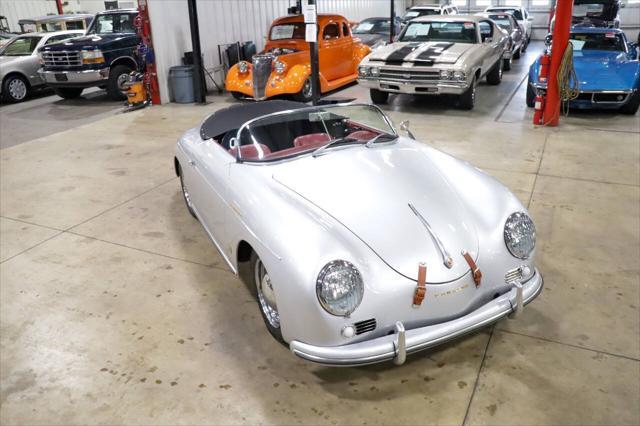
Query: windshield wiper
(375,139)
(334,142)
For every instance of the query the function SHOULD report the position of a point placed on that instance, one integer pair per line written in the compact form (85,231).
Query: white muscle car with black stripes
(437,55)
(360,245)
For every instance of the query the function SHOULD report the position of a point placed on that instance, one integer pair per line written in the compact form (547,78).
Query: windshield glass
(421,12)
(373,27)
(455,32)
(20,46)
(502,21)
(299,132)
(597,41)
(113,23)
(515,12)
(294,30)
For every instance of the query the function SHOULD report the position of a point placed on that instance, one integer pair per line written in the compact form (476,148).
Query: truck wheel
(631,107)
(378,96)
(468,99)
(117,76)
(68,92)
(306,93)
(531,94)
(14,89)
(494,77)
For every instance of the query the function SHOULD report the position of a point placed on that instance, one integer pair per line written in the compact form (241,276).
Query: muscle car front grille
(261,72)
(603,98)
(61,58)
(364,326)
(409,75)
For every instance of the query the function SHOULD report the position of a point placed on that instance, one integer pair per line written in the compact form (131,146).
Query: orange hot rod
(283,67)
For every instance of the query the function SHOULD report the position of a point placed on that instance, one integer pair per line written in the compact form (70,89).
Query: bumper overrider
(396,346)
(82,78)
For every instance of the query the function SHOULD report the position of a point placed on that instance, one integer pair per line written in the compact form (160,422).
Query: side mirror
(404,126)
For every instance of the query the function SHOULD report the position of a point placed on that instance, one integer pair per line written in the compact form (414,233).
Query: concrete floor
(115,308)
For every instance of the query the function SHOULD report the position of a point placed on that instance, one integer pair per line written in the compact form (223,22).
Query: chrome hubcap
(17,89)
(306,89)
(122,78)
(266,295)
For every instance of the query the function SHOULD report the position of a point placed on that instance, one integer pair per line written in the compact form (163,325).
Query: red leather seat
(250,152)
(311,139)
(363,135)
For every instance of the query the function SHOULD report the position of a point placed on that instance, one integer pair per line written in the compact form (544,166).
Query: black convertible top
(235,116)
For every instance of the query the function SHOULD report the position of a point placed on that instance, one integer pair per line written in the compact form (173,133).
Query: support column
(198,77)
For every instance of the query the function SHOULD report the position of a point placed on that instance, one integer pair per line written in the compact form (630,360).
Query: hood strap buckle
(477,274)
(421,288)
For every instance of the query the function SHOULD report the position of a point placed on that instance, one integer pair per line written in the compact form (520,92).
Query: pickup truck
(104,57)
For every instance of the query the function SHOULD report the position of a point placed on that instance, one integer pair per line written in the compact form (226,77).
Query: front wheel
(494,77)
(266,297)
(185,194)
(68,92)
(468,99)
(517,53)
(306,93)
(531,95)
(378,96)
(506,64)
(115,86)
(15,89)
(632,105)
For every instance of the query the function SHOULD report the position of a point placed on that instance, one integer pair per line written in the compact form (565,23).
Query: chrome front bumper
(84,78)
(396,346)
(415,87)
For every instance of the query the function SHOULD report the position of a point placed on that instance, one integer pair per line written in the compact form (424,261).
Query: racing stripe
(397,56)
(433,52)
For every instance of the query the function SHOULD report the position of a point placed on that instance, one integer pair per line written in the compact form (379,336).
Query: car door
(348,60)
(207,180)
(330,50)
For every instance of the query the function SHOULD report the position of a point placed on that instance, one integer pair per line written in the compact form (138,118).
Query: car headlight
(92,56)
(339,288)
(243,67)
(446,74)
(279,66)
(520,235)
(40,58)
(459,75)
(375,71)
(363,71)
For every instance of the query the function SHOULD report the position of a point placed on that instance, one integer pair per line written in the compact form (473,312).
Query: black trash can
(181,81)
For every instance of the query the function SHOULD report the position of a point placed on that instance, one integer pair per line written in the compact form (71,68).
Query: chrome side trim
(446,257)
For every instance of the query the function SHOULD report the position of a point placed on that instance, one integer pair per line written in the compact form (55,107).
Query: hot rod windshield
(298,132)
(454,32)
(293,30)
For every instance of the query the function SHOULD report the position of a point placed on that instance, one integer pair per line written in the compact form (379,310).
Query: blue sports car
(607,67)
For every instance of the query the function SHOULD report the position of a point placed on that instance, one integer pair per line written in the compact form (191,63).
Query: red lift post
(59,7)
(561,30)
(151,76)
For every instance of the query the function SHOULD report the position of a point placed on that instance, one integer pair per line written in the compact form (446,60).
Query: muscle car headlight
(279,66)
(363,71)
(446,74)
(459,75)
(339,287)
(92,56)
(375,71)
(520,235)
(243,67)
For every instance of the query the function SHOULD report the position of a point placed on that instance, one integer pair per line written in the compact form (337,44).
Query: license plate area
(61,77)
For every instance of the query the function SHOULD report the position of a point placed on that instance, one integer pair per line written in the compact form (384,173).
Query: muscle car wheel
(494,77)
(517,53)
(266,297)
(631,107)
(468,99)
(378,96)
(117,77)
(185,194)
(15,89)
(306,93)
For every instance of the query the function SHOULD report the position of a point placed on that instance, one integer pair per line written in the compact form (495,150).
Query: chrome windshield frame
(239,159)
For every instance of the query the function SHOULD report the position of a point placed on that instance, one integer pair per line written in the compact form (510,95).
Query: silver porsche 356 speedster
(362,245)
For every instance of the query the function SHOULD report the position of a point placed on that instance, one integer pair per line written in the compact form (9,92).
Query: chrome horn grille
(262,65)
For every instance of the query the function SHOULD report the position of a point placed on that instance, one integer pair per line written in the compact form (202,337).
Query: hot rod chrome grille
(364,326)
(409,75)
(261,72)
(61,58)
(513,275)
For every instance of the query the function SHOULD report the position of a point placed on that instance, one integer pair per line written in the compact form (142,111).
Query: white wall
(227,21)
(14,10)
(93,6)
